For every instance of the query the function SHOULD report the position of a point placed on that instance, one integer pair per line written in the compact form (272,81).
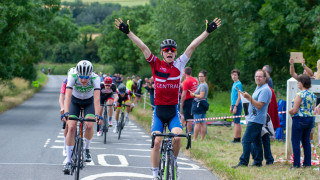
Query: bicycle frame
(105,121)
(167,168)
(77,154)
(121,122)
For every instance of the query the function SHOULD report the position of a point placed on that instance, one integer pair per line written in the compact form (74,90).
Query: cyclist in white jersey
(83,91)
(167,76)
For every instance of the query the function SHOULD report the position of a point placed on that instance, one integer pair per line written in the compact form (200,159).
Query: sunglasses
(167,49)
(84,77)
(107,85)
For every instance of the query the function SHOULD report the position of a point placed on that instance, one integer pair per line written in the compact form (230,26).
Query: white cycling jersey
(83,92)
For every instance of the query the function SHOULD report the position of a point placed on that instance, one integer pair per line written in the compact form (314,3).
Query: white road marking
(102,160)
(61,147)
(116,174)
(130,144)
(193,166)
(135,129)
(46,143)
(139,156)
(134,149)
(148,140)
(146,136)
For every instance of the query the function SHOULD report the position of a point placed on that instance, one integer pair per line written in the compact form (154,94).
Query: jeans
(301,129)
(266,149)
(252,135)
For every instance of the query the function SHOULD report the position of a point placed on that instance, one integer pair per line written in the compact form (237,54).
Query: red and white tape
(224,117)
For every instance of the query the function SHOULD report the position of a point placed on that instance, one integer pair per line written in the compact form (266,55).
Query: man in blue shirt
(258,108)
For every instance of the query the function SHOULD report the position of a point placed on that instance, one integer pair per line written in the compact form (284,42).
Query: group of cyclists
(82,89)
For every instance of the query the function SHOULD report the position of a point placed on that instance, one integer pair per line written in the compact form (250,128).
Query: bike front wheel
(120,126)
(79,159)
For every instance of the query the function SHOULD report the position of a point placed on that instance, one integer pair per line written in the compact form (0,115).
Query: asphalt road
(32,141)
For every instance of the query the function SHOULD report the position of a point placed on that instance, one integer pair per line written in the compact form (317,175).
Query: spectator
(199,111)
(267,69)
(189,86)
(257,118)
(134,85)
(302,121)
(139,89)
(267,131)
(145,85)
(129,83)
(42,70)
(114,78)
(306,71)
(121,79)
(49,71)
(273,109)
(236,105)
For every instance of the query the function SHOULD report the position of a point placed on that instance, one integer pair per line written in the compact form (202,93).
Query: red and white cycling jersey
(167,79)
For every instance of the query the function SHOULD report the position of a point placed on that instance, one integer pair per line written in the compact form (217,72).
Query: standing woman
(200,106)
(302,120)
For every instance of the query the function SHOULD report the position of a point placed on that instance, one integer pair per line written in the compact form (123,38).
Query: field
(121,2)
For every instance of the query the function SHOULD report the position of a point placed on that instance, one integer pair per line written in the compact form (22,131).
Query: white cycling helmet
(72,70)
(84,68)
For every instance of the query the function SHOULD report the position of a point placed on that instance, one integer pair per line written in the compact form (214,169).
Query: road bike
(121,121)
(167,167)
(77,156)
(105,127)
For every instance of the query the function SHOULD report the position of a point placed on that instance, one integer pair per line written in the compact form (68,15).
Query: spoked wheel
(79,160)
(162,161)
(105,130)
(167,168)
(120,126)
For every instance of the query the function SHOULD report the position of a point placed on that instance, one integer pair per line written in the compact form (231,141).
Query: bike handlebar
(172,135)
(82,119)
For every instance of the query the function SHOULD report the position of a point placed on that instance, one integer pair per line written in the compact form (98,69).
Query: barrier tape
(314,162)
(224,117)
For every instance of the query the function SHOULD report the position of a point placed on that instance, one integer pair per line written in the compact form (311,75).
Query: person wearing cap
(167,76)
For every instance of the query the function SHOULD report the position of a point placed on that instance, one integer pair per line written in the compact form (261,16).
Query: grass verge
(218,154)
(17,90)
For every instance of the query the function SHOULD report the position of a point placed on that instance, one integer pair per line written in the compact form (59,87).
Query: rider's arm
(135,39)
(96,97)
(67,99)
(61,103)
(195,43)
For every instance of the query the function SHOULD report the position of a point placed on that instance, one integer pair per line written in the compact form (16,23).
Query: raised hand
(119,24)
(216,23)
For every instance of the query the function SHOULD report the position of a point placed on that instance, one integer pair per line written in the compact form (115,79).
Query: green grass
(121,2)
(218,154)
(17,90)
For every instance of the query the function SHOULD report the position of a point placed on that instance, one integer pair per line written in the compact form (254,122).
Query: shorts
(168,114)
(239,111)
(199,116)
(187,109)
(104,98)
(76,104)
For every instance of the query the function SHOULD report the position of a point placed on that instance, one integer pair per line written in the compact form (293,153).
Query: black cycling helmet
(168,43)
(122,88)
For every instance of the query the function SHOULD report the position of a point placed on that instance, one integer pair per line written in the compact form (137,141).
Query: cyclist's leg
(71,126)
(175,127)
(110,109)
(128,109)
(102,100)
(90,114)
(156,127)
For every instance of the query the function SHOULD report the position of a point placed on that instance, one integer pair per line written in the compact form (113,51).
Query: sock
(87,143)
(127,114)
(64,142)
(69,153)
(155,171)
(110,119)
(175,160)
(239,139)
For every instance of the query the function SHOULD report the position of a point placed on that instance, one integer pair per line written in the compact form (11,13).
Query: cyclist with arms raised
(83,91)
(167,75)
(109,94)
